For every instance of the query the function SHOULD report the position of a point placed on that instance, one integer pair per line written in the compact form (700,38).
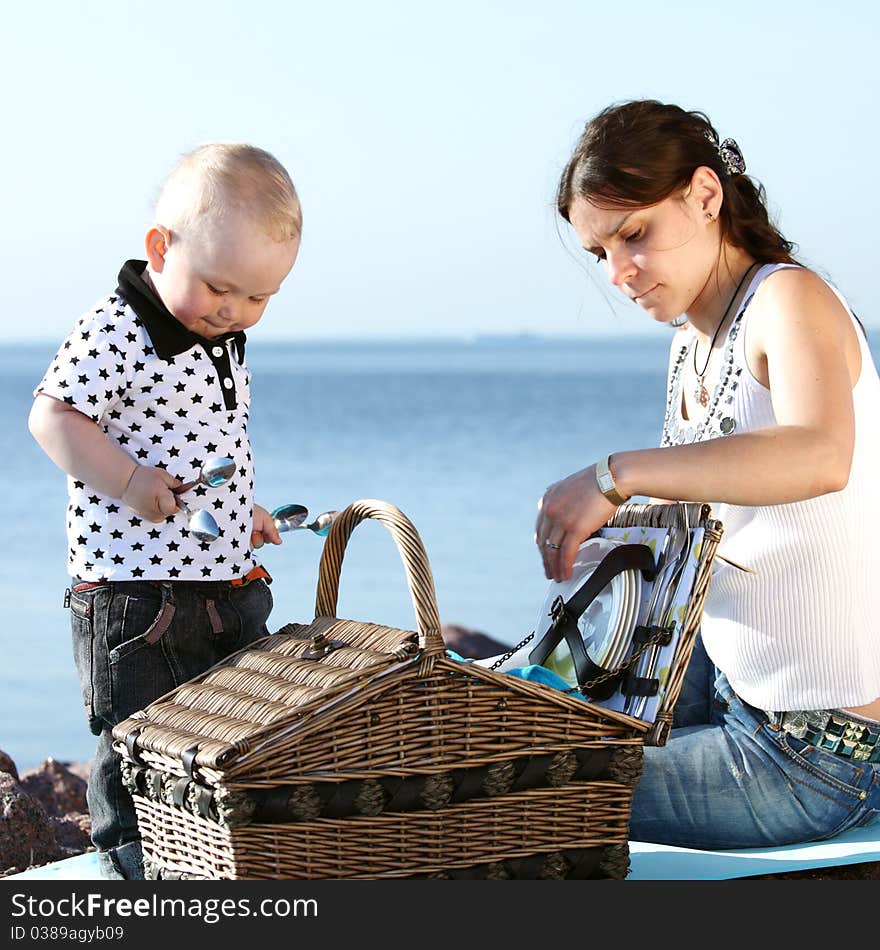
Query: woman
(771,417)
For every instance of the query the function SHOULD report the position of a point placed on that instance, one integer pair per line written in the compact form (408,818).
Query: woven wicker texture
(345,748)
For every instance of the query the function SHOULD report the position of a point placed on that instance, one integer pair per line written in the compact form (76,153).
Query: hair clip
(732,157)
(729,152)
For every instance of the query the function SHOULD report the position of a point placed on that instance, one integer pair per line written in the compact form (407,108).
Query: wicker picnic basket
(347,749)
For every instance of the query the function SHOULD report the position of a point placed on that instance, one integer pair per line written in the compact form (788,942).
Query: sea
(462,436)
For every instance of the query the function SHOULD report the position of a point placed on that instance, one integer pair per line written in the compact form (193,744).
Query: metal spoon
(201,524)
(292,518)
(322,523)
(289,517)
(215,472)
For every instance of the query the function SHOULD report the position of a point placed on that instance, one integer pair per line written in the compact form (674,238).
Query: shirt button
(217,351)
(227,383)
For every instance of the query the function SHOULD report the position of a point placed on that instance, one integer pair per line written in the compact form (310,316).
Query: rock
(7,765)
(59,790)
(73,834)
(471,643)
(27,834)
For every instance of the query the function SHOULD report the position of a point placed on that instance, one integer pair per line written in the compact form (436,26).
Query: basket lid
(271,685)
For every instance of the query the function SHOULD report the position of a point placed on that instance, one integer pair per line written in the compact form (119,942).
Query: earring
(710,216)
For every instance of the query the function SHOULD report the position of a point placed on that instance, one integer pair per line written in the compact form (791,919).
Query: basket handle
(418,572)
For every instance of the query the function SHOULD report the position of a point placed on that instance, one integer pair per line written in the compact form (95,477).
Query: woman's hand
(570,511)
(264,530)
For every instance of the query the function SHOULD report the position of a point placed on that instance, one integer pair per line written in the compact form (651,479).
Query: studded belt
(833,731)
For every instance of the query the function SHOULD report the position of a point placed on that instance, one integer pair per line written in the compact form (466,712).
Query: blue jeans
(130,648)
(729,777)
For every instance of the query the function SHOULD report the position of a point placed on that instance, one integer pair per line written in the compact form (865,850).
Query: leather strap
(624,557)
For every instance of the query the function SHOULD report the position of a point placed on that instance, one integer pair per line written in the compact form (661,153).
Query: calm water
(462,437)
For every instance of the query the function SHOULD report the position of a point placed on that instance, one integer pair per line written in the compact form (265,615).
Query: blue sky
(425,140)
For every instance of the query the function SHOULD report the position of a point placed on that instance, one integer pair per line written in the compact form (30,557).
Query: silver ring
(549,544)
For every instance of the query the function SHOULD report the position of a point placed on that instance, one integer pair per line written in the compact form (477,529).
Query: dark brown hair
(635,154)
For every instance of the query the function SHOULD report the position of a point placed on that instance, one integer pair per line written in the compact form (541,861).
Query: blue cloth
(534,673)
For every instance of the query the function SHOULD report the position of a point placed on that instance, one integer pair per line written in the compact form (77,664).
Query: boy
(150,383)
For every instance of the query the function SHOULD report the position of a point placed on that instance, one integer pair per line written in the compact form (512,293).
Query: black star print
(134,522)
(113,509)
(155,559)
(116,534)
(206,571)
(155,533)
(137,546)
(137,572)
(210,447)
(173,572)
(118,559)
(99,554)
(79,512)
(94,527)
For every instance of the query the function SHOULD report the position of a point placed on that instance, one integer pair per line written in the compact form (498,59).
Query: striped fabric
(802,631)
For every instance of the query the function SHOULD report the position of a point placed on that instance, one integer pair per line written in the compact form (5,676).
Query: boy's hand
(264,531)
(149,493)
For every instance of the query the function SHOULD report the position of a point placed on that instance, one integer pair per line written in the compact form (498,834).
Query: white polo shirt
(170,399)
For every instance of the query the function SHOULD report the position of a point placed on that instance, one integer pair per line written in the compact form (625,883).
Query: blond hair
(222,178)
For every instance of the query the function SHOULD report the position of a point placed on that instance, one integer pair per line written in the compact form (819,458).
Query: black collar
(168,335)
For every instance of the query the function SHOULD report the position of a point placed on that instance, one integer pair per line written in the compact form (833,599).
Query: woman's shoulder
(799,294)
(792,282)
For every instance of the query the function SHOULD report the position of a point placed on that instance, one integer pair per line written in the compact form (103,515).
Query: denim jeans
(729,777)
(126,659)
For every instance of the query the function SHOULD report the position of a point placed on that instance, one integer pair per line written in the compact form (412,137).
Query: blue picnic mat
(648,862)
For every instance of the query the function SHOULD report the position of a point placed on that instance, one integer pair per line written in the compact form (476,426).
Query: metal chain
(509,654)
(658,637)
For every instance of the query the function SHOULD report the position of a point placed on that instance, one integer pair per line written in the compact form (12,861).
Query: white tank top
(802,631)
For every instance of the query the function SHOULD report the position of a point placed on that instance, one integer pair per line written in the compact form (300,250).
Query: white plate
(628,619)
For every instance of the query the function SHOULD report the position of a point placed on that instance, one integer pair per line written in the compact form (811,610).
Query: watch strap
(606,482)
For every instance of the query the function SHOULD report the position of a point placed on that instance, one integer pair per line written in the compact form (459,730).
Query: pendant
(701,394)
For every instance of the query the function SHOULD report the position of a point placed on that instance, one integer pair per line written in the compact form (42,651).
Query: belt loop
(166,614)
(214,616)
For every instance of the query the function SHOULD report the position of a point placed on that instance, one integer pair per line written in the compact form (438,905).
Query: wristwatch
(606,482)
